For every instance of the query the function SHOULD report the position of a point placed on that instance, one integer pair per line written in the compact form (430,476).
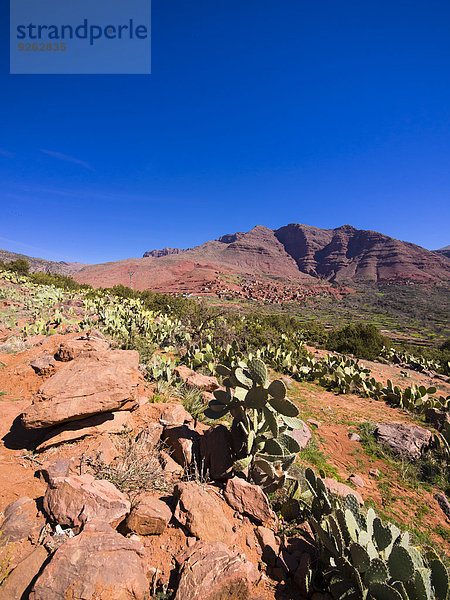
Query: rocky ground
(101,498)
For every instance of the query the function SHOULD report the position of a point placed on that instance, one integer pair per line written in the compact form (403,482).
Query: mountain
(39,264)
(444,251)
(295,253)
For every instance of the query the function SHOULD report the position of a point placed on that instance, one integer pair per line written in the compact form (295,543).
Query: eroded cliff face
(347,253)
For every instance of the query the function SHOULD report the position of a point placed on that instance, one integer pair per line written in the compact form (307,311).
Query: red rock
(61,467)
(19,580)
(210,571)
(409,440)
(105,423)
(98,563)
(45,365)
(303,436)
(149,517)
(193,379)
(183,444)
(356,480)
(73,501)
(249,499)
(201,513)
(340,489)
(21,521)
(169,465)
(85,387)
(151,435)
(175,414)
(215,452)
(76,348)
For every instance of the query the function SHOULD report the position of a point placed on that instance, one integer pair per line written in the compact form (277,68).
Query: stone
(215,452)
(315,423)
(303,436)
(105,423)
(76,348)
(443,502)
(149,517)
(98,563)
(151,435)
(270,546)
(22,576)
(169,465)
(45,365)
(405,440)
(183,444)
(438,418)
(249,499)
(85,387)
(356,480)
(61,467)
(175,414)
(201,513)
(75,500)
(354,437)
(340,489)
(21,521)
(193,379)
(210,571)
(374,473)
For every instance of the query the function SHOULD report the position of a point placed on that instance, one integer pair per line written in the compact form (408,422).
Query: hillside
(444,251)
(39,264)
(296,253)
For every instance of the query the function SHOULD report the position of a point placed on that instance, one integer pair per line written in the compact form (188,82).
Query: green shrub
(363,341)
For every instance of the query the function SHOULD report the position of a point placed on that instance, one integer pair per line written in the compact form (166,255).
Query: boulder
(105,423)
(405,440)
(149,517)
(75,500)
(60,467)
(249,499)
(201,513)
(270,546)
(169,465)
(303,435)
(175,414)
(45,365)
(340,489)
(151,435)
(86,387)
(21,521)
(438,418)
(21,578)
(183,444)
(75,348)
(356,480)
(98,563)
(193,379)
(215,452)
(210,571)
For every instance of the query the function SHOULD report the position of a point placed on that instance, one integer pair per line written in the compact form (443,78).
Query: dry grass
(5,558)
(137,468)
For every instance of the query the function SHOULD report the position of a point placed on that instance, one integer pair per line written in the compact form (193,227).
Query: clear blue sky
(266,112)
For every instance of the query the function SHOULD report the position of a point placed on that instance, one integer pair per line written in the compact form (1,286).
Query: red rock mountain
(298,253)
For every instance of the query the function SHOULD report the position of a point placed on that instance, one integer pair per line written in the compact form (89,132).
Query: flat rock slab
(210,571)
(73,501)
(201,513)
(249,499)
(98,563)
(406,440)
(105,382)
(196,380)
(105,423)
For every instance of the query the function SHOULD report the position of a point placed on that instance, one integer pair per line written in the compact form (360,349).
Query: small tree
(363,341)
(20,266)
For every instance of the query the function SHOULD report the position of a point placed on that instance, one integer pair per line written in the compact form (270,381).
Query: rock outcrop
(402,439)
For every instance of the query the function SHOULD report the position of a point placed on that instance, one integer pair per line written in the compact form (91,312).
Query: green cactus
(439,579)
(401,565)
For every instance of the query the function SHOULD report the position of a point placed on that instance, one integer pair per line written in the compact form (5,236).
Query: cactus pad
(383,591)
(284,406)
(401,566)
(257,370)
(360,557)
(377,572)
(277,389)
(382,535)
(439,579)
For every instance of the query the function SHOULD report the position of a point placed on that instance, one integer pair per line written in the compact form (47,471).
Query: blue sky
(258,112)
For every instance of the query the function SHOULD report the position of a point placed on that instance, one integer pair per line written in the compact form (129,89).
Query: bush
(19,266)
(363,341)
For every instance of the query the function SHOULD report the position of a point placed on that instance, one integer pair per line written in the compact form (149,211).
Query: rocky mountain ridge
(40,264)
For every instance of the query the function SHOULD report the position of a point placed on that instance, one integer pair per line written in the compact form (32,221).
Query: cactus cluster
(263,418)
(360,557)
